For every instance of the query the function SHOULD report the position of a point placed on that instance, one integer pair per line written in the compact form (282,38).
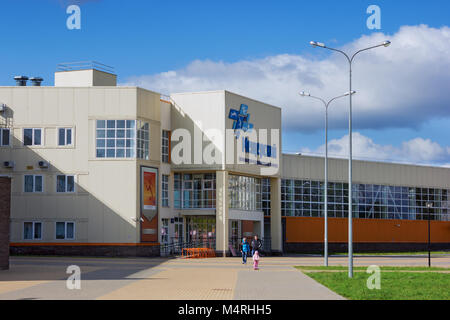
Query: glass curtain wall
(195,191)
(304,198)
(244,193)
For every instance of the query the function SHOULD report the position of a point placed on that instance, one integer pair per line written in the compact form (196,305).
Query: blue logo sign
(241,120)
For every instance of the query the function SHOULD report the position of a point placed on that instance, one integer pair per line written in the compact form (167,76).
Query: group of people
(256,246)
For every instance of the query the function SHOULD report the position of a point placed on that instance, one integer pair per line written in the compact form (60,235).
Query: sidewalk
(188,279)
(184,279)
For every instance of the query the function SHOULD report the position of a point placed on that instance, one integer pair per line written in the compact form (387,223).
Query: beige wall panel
(113,183)
(35,107)
(165,115)
(82,231)
(33,207)
(148,104)
(16,231)
(49,206)
(65,106)
(193,106)
(49,231)
(155,142)
(19,208)
(6,94)
(128,103)
(50,107)
(95,228)
(97,102)
(113,103)
(51,137)
(100,78)
(20,102)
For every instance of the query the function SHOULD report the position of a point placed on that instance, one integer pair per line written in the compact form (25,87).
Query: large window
(122,139)
(65,183)
(265,196)
(32,230)
(143,137)
(65,230)
(304,198)
(4,137)
(32,137)
(165,190)
(165,146)
(64,136)
(33,183)
(245,193)
(192,191)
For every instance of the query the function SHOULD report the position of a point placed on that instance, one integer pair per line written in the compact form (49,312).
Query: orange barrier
(197,253)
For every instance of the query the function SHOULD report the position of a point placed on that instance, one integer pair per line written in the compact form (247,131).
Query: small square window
(65,231)
(64,136)
(32,230)
(32,137)
(65,184)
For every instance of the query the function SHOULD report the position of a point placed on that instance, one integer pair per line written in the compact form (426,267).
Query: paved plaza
(181,279)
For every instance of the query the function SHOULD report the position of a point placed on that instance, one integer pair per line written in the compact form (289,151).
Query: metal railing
(84,65)
(175,248)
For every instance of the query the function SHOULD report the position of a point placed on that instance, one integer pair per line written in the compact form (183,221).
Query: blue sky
(145,38)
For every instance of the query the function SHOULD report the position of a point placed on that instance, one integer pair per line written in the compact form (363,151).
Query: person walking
(256,260)
(256,245)
(245,250)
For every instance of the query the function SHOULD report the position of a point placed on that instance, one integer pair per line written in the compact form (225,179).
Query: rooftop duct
(36,81)
(21,81)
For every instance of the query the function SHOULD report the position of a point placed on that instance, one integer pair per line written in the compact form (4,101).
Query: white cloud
(403,85)
(417,150)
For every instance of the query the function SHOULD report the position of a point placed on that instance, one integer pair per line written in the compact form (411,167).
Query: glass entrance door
(201,231)
(235,234)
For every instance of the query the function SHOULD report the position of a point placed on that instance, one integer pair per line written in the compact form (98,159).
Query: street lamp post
(325,209)
(429,206)
(350,204)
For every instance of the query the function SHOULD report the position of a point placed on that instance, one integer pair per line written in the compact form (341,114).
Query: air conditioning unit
(8,164)
(43,164)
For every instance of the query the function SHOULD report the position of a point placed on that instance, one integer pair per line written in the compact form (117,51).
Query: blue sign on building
(241,120)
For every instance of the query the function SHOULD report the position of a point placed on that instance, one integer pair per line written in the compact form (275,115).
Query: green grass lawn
(395,285)
(383,268)
(390,253)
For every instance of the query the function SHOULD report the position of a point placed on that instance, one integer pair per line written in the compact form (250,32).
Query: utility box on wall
(5,211)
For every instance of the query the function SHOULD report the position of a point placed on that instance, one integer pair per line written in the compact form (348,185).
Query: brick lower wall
(86,250)
(5,211)
(317,247)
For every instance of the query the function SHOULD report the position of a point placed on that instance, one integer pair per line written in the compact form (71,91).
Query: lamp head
(386,43)
(317,44)
(351,92)
(305,94)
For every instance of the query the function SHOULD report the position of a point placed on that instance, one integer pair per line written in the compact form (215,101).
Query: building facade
(102,169)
